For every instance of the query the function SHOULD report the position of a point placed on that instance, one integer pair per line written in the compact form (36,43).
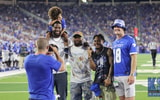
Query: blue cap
(96,89)
(119,23)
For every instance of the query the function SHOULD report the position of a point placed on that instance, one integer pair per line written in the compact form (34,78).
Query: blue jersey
(122,49)
(63,23)
(39,74)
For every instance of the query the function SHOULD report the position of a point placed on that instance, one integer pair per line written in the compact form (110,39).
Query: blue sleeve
(63,23)
(55,64)
(133,46)
(49,28)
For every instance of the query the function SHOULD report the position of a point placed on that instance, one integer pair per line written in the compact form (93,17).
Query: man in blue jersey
(39,68)
(125,56)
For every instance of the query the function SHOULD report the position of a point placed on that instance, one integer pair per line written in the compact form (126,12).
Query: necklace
(100,51)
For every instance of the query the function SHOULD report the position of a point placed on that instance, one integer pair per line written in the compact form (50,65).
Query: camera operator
(39,68)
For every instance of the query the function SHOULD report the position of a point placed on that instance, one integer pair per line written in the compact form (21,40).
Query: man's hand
(64,35)
(89,50)
(131,79)
(107,81)
(48,35)
(55,50)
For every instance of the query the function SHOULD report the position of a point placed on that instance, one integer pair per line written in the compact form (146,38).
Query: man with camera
(39,68)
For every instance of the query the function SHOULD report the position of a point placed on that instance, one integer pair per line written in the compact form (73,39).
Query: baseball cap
(96,89)
(119,23)
(78,33)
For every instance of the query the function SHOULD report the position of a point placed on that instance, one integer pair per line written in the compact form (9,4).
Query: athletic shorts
(123,88)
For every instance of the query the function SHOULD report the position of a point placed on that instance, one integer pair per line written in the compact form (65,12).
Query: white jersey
(60,44)
(5,55)
(14,57)
(80,69)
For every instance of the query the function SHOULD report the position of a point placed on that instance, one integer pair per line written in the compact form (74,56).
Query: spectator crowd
(17,28)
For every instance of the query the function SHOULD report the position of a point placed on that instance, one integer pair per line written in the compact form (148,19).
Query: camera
(50,49)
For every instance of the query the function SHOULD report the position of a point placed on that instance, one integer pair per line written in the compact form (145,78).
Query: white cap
(119,23)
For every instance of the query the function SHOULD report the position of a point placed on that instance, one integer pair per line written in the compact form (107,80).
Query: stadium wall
(7,2)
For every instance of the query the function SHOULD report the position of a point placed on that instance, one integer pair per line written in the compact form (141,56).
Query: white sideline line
(13,91)
(17,91)
(148,65)
(157,60)
(149,71)
(13,72)
(13,82)
(27,91)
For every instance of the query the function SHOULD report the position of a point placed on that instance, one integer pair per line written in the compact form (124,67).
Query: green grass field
(15,87)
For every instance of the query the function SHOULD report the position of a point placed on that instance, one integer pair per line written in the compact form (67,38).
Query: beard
(78,44)
(55,35)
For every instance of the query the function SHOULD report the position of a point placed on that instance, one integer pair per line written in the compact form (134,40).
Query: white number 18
(117,55)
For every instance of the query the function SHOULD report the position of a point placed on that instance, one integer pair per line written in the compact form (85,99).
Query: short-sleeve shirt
(122,50)
(80,69)
(39,73)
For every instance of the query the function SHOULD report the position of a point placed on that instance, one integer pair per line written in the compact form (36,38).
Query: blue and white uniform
(122,49)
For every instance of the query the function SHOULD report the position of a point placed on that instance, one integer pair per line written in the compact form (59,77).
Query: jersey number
(117,56)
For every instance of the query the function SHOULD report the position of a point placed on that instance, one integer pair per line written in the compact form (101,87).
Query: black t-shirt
(102,65)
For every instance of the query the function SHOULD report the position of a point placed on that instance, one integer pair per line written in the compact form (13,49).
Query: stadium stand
(24,22)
